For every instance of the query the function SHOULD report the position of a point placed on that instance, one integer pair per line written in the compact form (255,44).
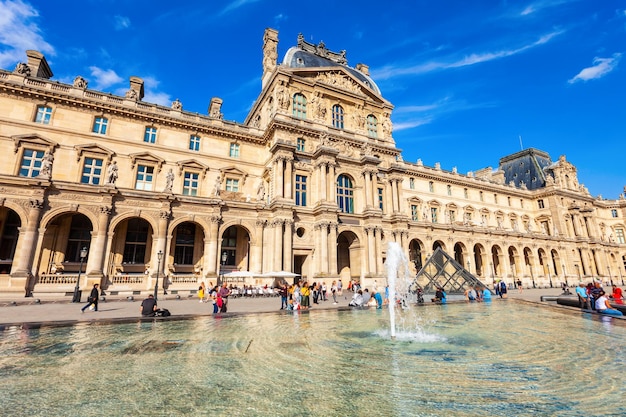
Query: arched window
(338,116)
(185,240)
(372,126)
(299,106)
(345,191)
(79,237)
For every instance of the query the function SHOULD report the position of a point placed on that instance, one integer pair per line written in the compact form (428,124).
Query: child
(201,294)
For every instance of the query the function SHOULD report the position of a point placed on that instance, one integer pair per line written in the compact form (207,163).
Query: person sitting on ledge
(440,296)
(148,306)
(357,299)
(617,295)
(603,306)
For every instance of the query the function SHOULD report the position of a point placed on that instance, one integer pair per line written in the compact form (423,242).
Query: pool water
(500,359)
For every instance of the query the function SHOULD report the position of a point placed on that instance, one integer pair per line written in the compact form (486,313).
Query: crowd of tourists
(593,297)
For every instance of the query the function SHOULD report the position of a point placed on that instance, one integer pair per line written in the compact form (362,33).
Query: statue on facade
(217,188)
(169,181)
(387,126)
(177,105)
(260,192)
(80,82)
(112,173)
(46,166)
(23,69)
(282,97)
(132,94)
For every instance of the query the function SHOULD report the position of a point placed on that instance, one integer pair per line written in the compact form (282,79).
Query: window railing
(58,278)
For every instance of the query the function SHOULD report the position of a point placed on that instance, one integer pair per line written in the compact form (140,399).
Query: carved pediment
(340,79)
(235,172)
(93,148)
(146,157)
(33,139)
(192,164)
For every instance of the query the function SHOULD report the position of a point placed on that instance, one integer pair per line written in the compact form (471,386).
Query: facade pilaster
(26,242)
(211,247)
(332,238)
(288,252)
(257,248)
(97,248)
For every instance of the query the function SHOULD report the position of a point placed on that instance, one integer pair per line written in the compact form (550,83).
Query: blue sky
(471,81)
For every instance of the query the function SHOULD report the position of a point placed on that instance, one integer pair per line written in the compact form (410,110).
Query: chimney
(136,84)
(365,69)
(38,65)
(215,108)
(270,53)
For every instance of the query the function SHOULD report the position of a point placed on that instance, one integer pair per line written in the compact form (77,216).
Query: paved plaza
(17,310)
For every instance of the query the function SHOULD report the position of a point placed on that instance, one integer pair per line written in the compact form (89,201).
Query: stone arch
(234,248)
(416,254)
(514,262)
(193,219)
(131,247)
(54,214)
(66,234)
(186,249)
(348,254)
(559,268)
(479,260)
(438,244)
(497,261)
(115,221)
(460,252)
(10,224)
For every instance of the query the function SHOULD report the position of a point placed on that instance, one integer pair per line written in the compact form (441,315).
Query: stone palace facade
(310,183)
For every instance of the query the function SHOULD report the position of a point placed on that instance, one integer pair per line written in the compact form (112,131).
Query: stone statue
(46,165)
(177,105)
(282,96)
(132,94)
(80,82)
(112,173)
(218,186)
(23,69)
(387,126)
(260,192)
(169,181)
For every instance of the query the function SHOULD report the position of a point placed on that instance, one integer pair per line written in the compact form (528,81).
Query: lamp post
(83,255)
(532,276)
(156,283)
(549,276)
(224,259)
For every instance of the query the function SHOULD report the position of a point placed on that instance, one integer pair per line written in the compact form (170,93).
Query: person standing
(333,290)
(305,292)
(284,291)
(92,299)
(520,289)
(503,289)
(224,292)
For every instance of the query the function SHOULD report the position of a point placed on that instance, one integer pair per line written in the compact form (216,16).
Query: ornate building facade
(311,183)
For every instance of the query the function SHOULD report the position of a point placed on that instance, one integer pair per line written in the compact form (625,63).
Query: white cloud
(104,78)
(235,5)
(410,124)
(472,59)
(157,97)
(121,22)
(19,32)
(601,67)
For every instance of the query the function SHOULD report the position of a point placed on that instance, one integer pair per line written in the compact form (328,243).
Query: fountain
(398,280)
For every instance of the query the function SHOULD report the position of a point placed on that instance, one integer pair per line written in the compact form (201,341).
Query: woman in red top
(617,295)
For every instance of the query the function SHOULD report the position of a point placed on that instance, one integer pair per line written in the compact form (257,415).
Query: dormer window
(299,106)
(372,126)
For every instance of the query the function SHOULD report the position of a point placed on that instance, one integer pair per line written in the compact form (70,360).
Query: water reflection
(503,359)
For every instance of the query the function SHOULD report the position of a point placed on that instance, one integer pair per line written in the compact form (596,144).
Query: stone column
(257,250)
(374,184)
(164,217)
(379,250)
(98,244)
(371,250)
(394,195)
(367,188)
(288,252)
(211,257)
(332,240)
(278,244)
(278,177)
(21,274)
(575,225)
(322,181)
(288,178)
(324,246)
(331,184)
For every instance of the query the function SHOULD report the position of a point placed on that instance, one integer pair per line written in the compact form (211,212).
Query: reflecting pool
(503,359)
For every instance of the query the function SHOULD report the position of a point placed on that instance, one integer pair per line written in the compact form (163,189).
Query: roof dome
(308,55)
